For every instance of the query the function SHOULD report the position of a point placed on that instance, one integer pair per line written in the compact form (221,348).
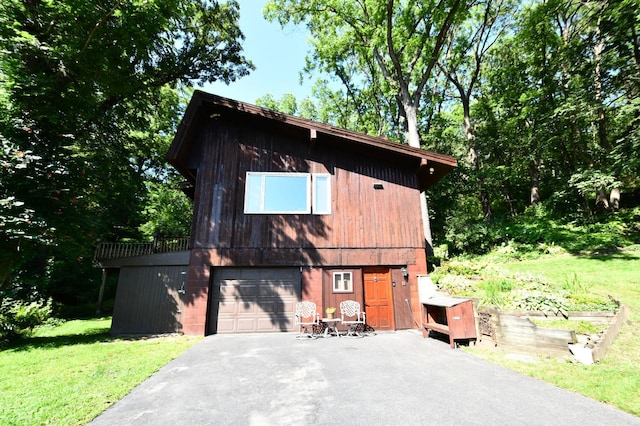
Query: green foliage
(168,212)
(19,318)
(382,56)
(614,380)
(90,99)
(590,181)
(482,279)
(495,291)
(467,235)
(540,230)
(540,297)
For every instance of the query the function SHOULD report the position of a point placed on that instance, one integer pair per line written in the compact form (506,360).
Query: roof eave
(432,166)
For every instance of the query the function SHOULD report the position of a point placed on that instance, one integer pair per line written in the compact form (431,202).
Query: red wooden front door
(378,302)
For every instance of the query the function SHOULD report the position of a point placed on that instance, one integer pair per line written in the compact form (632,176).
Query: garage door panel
(226,325)
(276,290)
(245,290)
(249,274)
(266,290)
(271,274)
(266,306)
(291,274)
(265,325)
(246,325)
(289,289)
(228,307)
(246,300)
(289,306)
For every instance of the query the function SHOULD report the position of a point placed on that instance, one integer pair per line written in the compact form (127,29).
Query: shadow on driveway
(394,378)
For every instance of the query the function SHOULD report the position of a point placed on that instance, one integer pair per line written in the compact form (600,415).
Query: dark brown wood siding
(401,300)
(331,299)
(362,217)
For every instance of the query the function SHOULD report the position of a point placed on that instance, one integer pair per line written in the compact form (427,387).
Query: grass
(69,374)
(580,327)
(615,379)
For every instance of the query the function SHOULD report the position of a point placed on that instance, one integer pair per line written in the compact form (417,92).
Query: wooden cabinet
(449,315)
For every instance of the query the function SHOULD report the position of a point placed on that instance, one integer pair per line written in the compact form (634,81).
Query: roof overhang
(429,166)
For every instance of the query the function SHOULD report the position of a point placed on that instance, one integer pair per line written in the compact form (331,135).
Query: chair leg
(306,334)
(353,331)
(318,329)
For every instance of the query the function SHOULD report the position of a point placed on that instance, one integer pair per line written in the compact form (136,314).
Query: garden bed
(523,332)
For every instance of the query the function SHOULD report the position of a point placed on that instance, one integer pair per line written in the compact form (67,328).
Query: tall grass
(495,291)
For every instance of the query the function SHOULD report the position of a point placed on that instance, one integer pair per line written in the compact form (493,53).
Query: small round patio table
(331,328)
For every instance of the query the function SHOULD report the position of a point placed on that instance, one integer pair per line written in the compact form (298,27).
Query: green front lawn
(69,374)
(616,378)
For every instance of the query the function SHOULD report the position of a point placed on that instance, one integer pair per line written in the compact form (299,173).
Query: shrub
(468,235)
(19,318)
(540,300)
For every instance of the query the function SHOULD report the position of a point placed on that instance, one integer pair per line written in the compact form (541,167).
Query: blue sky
(278,55)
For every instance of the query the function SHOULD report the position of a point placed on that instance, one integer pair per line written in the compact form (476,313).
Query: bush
(466,235)
(19,318)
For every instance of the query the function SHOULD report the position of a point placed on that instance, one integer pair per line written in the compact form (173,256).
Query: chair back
(306,310)
(349,308)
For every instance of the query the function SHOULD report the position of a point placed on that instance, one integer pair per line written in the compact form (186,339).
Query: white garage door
(253,300)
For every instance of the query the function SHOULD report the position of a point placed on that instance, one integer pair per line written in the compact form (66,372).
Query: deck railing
(106,251)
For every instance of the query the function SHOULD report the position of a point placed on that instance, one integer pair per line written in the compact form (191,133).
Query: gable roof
(429,166)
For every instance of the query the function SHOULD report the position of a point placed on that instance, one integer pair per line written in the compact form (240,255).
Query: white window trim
(328,199)
(262,189)
(342,290)
(311,193)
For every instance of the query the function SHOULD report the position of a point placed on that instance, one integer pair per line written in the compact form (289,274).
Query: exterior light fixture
(378,185)
(404,271)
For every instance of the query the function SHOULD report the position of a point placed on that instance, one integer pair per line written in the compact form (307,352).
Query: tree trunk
(602,201)
(535,189)
(411,115)
(473,158)
(413,138)
(614,199)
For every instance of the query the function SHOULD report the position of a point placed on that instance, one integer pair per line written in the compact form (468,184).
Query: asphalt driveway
(387,379)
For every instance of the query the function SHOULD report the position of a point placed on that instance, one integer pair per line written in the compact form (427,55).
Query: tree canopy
(537,100)
(90,99)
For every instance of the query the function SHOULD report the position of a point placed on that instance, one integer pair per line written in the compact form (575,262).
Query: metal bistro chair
(352,316)
(307,317)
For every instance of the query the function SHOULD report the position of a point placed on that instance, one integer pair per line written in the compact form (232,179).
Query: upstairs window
(287,193)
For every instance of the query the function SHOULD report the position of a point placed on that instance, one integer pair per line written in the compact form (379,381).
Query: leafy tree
(462,64)
(167,212)
(618,36)
(379,51)
(287,104)
(390,48)
(89,91)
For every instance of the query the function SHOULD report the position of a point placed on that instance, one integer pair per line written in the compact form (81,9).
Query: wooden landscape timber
(516,331)
(610,333)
